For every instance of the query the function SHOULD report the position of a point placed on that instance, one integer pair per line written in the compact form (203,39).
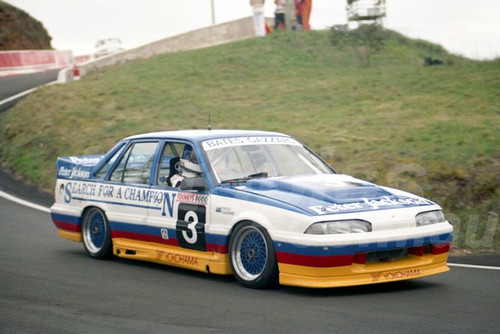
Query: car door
(182,215)
(129,189)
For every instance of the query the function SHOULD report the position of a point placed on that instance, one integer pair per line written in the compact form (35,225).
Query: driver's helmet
(189,163)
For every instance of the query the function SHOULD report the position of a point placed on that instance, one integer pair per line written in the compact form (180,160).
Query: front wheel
(252,256)
(96,234)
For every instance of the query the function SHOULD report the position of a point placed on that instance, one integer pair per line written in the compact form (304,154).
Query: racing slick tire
(252,257)
(96,234)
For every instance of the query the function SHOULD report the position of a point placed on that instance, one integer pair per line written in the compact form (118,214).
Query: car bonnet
(330,193)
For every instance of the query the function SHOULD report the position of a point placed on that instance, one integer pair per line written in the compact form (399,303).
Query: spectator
(258,17)
(279,14)
(305,7)
(298,15)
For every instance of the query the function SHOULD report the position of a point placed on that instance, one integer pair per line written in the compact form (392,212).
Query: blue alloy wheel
(96,233)
(253,252)
(252,256)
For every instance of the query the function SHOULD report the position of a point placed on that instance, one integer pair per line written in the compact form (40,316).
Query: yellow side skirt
(210,262)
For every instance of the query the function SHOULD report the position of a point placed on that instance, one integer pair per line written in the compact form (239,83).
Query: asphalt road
(15,84)
(50,285)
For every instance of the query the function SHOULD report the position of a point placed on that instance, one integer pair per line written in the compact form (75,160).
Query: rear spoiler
(77,167)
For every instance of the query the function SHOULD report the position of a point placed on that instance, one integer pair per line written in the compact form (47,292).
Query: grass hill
(20,31)
(434,131)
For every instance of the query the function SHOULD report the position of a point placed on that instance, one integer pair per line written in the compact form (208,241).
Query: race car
(258,205)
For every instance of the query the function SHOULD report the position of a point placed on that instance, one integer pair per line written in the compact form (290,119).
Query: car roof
(203,134)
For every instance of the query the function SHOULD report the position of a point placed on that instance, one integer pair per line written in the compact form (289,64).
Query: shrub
(365,41)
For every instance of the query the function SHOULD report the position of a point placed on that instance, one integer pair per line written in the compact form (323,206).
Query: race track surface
(15,84)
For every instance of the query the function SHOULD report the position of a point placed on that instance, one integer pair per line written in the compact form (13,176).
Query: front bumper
(412,266)
(367,259)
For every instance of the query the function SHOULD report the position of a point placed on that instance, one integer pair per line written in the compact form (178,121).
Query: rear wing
(78,168)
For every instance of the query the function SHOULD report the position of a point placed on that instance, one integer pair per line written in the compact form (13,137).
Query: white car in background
(106,47)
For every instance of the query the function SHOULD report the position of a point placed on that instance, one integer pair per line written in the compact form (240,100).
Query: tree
(365,41)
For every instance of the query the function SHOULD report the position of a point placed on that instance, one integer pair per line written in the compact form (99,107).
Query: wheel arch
(88,207)
(251,217)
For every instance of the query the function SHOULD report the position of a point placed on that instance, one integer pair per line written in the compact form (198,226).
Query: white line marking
(26,92)
(471,266)
(15,97)
(23,202)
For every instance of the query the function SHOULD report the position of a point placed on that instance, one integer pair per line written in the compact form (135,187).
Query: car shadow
(370,289)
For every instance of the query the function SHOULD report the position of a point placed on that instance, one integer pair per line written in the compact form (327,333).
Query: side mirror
(194,183)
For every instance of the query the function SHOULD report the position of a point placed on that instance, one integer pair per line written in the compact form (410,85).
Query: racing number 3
(191,226)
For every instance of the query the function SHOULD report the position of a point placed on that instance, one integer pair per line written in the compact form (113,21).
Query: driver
(189,166)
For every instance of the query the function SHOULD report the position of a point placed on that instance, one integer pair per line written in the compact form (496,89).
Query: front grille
(386,255)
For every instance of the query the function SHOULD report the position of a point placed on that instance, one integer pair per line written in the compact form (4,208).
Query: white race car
(258,205)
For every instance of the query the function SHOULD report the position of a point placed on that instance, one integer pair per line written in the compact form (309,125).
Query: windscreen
(247,157)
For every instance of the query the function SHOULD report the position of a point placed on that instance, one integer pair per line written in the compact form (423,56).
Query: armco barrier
(34,60)
(205,37)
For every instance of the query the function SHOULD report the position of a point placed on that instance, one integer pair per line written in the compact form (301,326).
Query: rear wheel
(96,234)
(252,256)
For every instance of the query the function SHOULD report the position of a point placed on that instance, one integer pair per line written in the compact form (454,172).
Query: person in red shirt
(305,7)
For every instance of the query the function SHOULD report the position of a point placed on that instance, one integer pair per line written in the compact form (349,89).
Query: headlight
(340,227)
(429,218)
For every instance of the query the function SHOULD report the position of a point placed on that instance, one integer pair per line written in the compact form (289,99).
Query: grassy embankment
(434,131)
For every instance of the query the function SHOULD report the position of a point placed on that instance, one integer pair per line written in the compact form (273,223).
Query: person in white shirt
(258,17)
(279,14)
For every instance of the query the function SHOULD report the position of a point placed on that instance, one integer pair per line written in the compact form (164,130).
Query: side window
(169,163)
(101,174)
(135,165)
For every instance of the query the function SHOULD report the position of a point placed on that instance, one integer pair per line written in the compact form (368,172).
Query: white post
(290,14)
(213,11)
